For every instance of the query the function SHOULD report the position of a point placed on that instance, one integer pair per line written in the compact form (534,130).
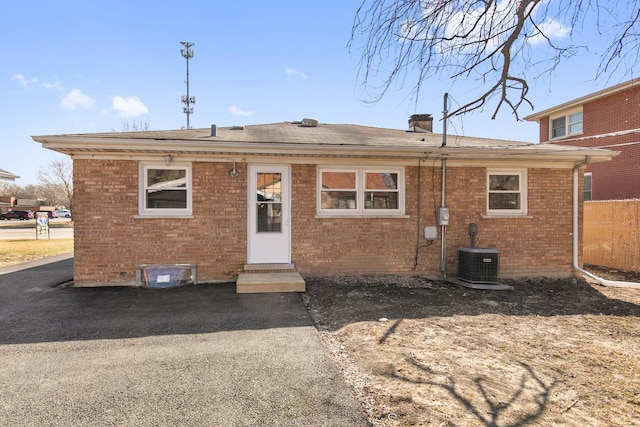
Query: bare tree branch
(627,40)
(503,44)
(57,180)
(134,126)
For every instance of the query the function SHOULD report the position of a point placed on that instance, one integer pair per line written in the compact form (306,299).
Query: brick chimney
(421,123)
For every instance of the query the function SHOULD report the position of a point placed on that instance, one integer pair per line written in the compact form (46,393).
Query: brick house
(322,199)
(609,119)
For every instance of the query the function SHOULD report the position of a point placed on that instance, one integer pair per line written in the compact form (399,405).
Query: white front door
(269,228)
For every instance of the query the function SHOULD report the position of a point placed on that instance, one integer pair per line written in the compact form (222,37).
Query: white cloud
(493,27)
(465,27)
(75,99)
(29,83)
(23,81)
(552,29)
(238,112)
(128,107)
(293,72)
(55,86)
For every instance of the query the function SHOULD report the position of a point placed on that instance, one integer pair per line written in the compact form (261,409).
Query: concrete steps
(262,278)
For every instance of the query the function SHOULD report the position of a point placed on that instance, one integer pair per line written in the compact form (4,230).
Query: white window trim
(567,125)
(524,185)
(360,192)
(143,211)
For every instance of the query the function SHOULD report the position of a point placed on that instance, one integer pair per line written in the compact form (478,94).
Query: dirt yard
(430,353)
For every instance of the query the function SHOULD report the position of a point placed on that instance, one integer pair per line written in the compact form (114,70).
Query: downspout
(576,266)
(443,227)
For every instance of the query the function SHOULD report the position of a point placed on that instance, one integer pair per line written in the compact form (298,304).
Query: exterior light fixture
(167,159)
(234,172)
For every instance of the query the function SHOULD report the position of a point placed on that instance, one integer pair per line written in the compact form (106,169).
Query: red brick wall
(332,246)
(618,179)
(538,245)
(617,112)
(613,113)
(544,129)
(110,240)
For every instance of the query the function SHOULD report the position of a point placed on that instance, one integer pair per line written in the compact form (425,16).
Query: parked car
(63,213)
(50,214)
(21,215)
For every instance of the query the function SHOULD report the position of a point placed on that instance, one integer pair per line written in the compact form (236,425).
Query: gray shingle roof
(294,133)
(295,139)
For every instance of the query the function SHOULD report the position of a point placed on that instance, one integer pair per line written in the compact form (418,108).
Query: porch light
(234,173)
(167,159)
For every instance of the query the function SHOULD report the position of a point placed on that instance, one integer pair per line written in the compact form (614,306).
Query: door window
(269,202)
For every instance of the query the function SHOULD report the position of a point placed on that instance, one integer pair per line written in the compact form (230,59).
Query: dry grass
(18,251)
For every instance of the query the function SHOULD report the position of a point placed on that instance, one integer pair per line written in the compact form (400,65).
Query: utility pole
(187,53)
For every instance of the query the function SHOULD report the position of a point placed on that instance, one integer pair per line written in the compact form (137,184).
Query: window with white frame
(165,190)
(507,192)
(570,124)
(360,191)
(588,181)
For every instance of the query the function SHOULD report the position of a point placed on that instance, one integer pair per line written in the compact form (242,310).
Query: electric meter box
(443,216)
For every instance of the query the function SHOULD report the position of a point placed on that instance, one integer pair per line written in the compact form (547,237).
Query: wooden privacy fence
(611,234)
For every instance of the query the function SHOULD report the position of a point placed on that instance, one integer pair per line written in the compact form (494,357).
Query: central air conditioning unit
(478,265)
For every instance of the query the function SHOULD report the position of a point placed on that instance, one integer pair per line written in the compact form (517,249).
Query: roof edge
(583,99)
(71,146)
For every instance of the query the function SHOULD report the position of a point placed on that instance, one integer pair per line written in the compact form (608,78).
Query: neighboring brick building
(329,199)
(609,119)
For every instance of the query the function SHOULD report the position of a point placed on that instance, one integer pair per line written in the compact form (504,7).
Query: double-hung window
(570,124)
(165,190)
(360,191)
(507,192)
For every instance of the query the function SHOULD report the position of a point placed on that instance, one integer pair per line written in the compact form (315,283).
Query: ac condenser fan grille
(478,265)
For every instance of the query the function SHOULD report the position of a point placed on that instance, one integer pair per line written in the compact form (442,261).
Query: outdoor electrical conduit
(600,280)
(443,227)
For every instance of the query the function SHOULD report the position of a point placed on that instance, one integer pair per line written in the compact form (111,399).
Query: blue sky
(83,66)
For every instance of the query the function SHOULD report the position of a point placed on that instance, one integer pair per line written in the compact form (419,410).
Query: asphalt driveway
(191,356)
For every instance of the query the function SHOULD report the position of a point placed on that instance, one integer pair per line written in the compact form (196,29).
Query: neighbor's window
(360,191)
(165,190)
(570,124)
(588,180)
(506,192)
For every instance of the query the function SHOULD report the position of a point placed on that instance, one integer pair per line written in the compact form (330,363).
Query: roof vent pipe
(214,130)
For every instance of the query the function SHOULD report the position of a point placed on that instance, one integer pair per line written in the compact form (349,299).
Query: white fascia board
(117,147)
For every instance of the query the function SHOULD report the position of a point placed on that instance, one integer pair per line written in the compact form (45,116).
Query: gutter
(576,266)
(105,146)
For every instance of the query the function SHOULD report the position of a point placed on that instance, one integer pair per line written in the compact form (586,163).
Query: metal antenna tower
(187,53)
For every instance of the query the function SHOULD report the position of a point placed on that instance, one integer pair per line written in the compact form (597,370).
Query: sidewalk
(39,262)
